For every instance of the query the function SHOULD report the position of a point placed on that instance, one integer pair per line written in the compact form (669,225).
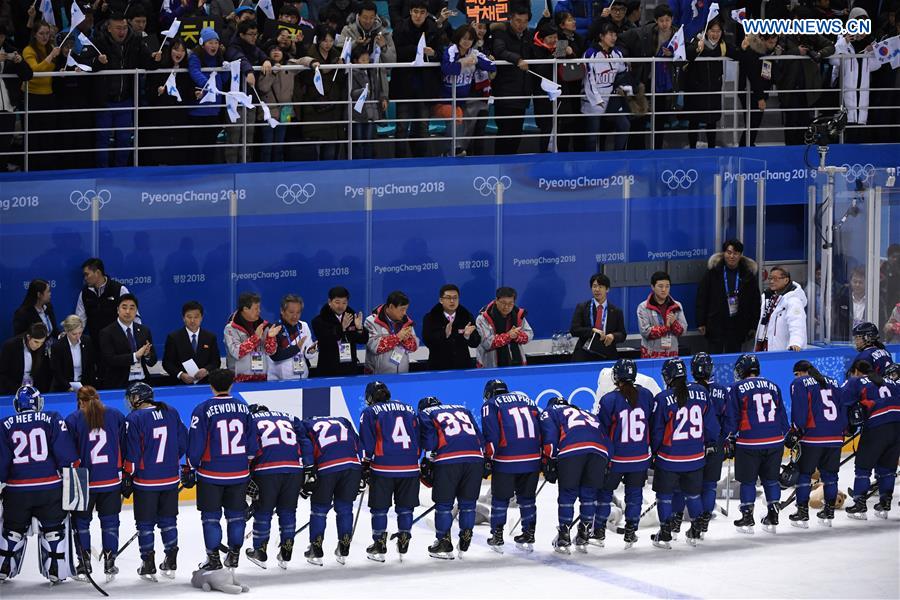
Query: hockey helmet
(624,370)
(892,372)
(28,398)
(494,387)
(745,365)
(868,332)
(790,475)
(428,402)
(556,401)
(377,392)
(138,393)
(702,366)
(672,369)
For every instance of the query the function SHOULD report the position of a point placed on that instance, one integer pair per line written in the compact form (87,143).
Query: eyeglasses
(450,298)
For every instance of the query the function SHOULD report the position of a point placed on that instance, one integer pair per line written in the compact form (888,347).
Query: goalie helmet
(28,398)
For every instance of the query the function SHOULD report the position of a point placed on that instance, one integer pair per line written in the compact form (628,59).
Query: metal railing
(241,139)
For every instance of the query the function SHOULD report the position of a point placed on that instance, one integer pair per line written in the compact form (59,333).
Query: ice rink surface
(853,559)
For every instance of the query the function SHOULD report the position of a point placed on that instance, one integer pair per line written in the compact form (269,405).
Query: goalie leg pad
(12,551)
(54,553)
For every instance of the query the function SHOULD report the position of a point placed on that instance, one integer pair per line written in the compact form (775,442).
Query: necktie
(194,342)
(130,337)
(598,319)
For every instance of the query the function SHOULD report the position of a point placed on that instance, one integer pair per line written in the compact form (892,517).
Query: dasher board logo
(83,200)
(295,193)
(486,185)
(679,178)
(857,171)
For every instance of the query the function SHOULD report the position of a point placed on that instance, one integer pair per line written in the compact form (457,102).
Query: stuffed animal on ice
(221,580)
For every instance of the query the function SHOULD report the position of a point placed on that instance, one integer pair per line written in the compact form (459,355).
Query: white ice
(853,559)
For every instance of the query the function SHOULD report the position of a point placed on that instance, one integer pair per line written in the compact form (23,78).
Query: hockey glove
(550,470)
(188,477)
(366,474)
(488,468)
(728,448)
(856,416)
(127,485)
(426,473)
(256,408)
(710,448)
(252,492)
(792,438)
(310,481)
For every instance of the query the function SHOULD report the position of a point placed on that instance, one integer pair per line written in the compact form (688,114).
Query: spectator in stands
(339,10)
(782,322)
(179,9)
(570,77)
(512,43)
(98,302)
(759,72)
(545,40)
(275,88)
(585,13)
(449,331)
(72,360)
(691,14)
(651,40)
(243,48)
(892,327)
(338,330)
(884,102)
(889,285)
(702,82)
(372,82)
(191,343)
(126,347)
(11,63)
(615,13)
(169,120)
(249,340)
(24,361)
(40,55)
(660,319)
(206,118)
(504,331)
(469,71)
(412,86)
(36,308)
(392,336)
(598,324)
(300,34)
(223,9)
(294,343)
(120,49)
(324,121)
(241,13)
(104,10)
(366,28)
(633,14)
(137,20)
(854,78)
(850,305)
(728,298)
(606,84)
(72,95)
(289,46)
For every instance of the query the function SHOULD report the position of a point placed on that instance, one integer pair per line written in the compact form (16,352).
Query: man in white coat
(782,321)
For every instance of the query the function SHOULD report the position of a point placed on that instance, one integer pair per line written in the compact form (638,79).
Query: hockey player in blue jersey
(97,431)
(389,435)
(877,403)
(684,430)
(336,457)
(702,371)
(870,348)
(892,372)
(221,443)
(625,415)
(756,423)
(512,432)
(34,445)
(576,453)
(153,443)
(818,424)
(279,474)
(453,465)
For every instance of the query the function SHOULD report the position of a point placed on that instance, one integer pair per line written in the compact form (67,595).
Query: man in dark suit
(23,360)
(598,325)
(338,330)
(191,343)
(126,346)
(74,348)
(449,331)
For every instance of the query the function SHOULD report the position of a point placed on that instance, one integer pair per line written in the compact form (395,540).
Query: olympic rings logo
(289,194)
(679,178)
(83,200)
(486,185)
(857,171)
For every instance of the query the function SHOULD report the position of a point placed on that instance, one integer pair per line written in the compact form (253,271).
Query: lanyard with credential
(737,283)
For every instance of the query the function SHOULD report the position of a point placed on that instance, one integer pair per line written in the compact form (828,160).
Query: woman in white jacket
(605,84)
(782,321)
(854,75)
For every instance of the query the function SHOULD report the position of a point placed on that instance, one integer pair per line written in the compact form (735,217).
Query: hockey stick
(296,533)
(519,520)
(73,536)
(621,530)
(422,516)
(358,511)
(727,488)
(793,496)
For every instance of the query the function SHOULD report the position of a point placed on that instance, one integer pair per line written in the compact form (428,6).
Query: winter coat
(130,54)
(240,345)
(411,82)
(493,342)
(199,59)
(452,352)
(712,301)
(511,80)
(249,55)
(329,333)
(280,366)
(657,339)
(751,63)
(384,347)
(854,79)
(353,31)
(372,108)
(705,76)
(802,74)
(644,42)
(335,97)
(276,88)
(787,323)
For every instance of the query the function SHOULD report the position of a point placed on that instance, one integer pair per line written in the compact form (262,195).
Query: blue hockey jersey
(222,440)
(818,411)
(569,431)
(100,450)
(628,429)
(512,433)
(881,402)
(335,444)
(716,394)
(34,445)
(879,358)
(679,434)
(280,437)
(155,439)
(755,414)
(450,433)
(390,438)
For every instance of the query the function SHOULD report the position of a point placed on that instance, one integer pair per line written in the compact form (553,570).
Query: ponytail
(817,375)
(867,370)
(90,404)
(627,389)
(679,385)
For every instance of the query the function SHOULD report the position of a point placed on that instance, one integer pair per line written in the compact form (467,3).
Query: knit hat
(243,8)
(858,13)
(207,34)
